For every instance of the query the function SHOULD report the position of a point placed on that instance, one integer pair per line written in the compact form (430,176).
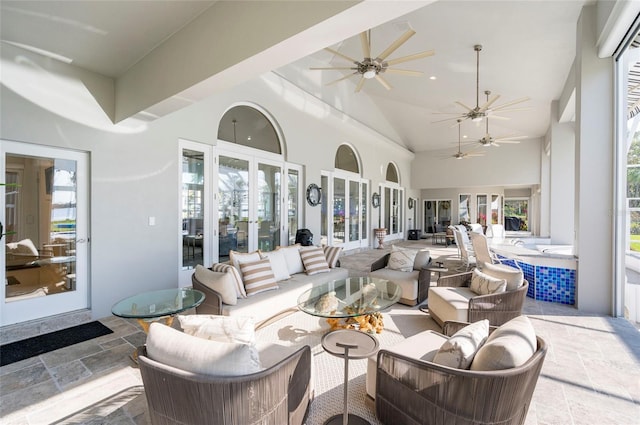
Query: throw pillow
(423,258)
(292,257)
(314,260)
(511,345)
(513,276)
(258,277)
(236,257)
(278,264)
(483,284)
(220,282)
(219,328)
(402,259)
(197,355)
(459,350)
(235,277)
(332,254)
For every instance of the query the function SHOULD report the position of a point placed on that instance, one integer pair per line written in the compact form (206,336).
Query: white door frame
(35,308)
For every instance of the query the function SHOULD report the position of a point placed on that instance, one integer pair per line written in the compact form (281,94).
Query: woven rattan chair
(497,308)
(277,395)
(411,391)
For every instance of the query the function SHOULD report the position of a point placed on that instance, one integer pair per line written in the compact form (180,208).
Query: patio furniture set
(473,372)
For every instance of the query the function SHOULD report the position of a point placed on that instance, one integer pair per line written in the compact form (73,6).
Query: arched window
(346,159)
(247,126)
(392,173)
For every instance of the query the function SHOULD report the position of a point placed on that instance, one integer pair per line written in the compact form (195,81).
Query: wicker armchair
(277,395)
(421,278)
(497,308)
(412,391)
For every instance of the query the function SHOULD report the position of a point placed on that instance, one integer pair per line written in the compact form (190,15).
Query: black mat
(20,350)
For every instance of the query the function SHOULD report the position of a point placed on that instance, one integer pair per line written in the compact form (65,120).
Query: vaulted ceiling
(164,55)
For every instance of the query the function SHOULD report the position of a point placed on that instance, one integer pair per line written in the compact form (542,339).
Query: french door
(46,234)
(437,215)
(392,210)
(258,203)
(344,210)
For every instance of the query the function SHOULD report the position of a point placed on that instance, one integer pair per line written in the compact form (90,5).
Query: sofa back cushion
(213,327)
(236,258)
(402,259)
(509,346)
(292,258)
(197,355)
(278,264)
(513,276)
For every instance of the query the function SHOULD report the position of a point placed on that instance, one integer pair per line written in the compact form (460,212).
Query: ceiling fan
(369,68)
(460,154)
(488,140)
(481,111)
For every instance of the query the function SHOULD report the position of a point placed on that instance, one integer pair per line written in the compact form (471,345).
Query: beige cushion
(402,259)
(408,282)
(422,259)
(197,355)
(219,328)
(292,258)
(332,254)
(241,257)
(236,278)
(458,351)
(278,264)
(25,246)
(483,284)
(314,260)
(220,282)
(511,345)
(423,346)
(448,303)
(258,276)
(513,276)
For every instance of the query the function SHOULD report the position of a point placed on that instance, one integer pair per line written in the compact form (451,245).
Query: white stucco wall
(134,175)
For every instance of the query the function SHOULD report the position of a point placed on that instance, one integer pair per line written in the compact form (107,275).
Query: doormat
(30,347)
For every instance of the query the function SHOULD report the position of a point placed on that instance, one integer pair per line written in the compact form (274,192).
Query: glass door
(46,232)
(195,240)
(269,211)
(392,203)
(235,221)
(339,214)
(437,215)
(294,207)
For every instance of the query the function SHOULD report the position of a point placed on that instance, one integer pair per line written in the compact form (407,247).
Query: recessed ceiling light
(464,137)
(433,77)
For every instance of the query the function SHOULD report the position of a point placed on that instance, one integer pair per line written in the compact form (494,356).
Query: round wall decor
(410,203)
(428,205)
(314,194)
(375,200)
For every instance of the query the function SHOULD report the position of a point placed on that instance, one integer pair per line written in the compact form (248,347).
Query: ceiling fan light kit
(370,68)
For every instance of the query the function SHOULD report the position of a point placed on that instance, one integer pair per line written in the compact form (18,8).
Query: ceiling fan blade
(340,79)
(366,47)
(514,138)
(404,72)
(513,102)
(383,82)
(511,110)
(489,103)
(498,117)
(399,42)
(447,119)
(337,53)
(330,68)
(464,106)
(411,57)
(360,84)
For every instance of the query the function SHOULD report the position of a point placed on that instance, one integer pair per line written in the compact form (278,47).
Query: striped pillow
(258,276)
(235,275)
(314,260)
(332,254)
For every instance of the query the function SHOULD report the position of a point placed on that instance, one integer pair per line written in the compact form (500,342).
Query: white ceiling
(528,50)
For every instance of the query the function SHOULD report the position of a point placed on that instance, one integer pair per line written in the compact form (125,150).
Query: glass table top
(164,302)
(354,296)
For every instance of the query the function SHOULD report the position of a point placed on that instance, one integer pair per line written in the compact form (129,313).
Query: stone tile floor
(591,374)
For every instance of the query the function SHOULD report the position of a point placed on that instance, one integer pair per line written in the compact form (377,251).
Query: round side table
(348,344)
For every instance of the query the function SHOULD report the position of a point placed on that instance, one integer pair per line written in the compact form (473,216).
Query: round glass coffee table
(163,304)
(351,303)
